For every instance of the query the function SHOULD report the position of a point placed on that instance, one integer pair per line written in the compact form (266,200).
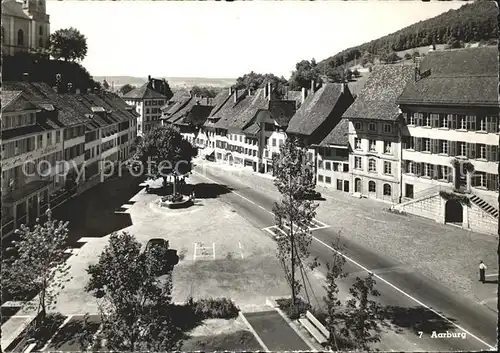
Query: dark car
(210,157)
(313,196)
(169,256)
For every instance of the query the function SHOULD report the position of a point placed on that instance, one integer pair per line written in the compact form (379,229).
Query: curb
(290,323)
(262,344)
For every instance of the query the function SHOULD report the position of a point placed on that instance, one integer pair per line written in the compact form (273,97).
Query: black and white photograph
(249,176)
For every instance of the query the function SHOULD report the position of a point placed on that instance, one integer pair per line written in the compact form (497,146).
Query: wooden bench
(318,336)
(315,328)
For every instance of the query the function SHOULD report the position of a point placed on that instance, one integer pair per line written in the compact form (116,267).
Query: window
(373,145)
(372,127)
(49,138)
(481,123)
(411,168)
(40,139)
(428,170)
(320,164)
(20,37)
(462,122)
(462,149)
(328,152)
(328,166)
(357,163)
(345,167)
(388,147)
(335,167)
(372,165)
(387,168)
(427,119)
(328,180)
(481,151)
(409,190)
(372,187)
(444,147)
(40,30)
(471,122)
(320,177)
(274,142)
(426,145)
(147,110)
(443,120)
(339,184)
(387,190)
(357,143)
(479,179)
(411,119)
(241,138)
(387,128)
(357,125)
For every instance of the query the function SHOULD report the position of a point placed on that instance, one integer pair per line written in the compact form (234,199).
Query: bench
(318,336)
(318,324)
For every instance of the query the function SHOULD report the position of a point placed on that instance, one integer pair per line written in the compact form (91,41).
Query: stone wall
(481,221)
(429,207)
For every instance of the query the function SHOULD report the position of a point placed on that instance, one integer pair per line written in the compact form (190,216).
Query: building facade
(147,101)
(57,142)
(25,26)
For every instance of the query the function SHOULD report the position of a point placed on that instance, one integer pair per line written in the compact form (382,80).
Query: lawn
(242,341)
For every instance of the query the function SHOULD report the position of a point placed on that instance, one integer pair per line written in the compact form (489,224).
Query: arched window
(40,30)
(387,190)
(372,187)
(20,37)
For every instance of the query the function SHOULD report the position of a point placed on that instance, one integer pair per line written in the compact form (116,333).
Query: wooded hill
(473,22)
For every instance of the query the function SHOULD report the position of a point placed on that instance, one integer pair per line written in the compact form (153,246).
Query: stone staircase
(485,206)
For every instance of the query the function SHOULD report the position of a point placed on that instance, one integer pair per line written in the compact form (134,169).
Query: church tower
(40,25)
(35,8)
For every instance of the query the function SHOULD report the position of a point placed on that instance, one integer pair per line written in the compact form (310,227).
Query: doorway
(453,212)
(357,185)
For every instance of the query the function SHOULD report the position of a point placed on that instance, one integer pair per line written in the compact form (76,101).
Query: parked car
(210,157)
(315,195)
(170,258)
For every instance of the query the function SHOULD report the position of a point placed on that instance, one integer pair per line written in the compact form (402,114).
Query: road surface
(419,304)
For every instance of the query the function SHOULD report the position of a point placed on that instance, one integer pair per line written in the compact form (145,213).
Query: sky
(227,39)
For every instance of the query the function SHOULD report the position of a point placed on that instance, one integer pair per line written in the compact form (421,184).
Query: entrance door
(346,185)
(357,185)
(453,212)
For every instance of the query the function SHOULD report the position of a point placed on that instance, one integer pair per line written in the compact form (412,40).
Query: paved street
(418,302)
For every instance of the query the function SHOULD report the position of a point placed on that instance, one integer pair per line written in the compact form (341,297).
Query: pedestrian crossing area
(279,232)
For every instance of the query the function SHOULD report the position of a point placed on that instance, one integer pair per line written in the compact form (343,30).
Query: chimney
(26,77)
(208,101)
(269,90)
(190,93)
(89,90)
(417,68)
(230,90)
(235,96)
(304,94)
(77,91)
(70,87)
(149,78)
(342,87)
(313,86)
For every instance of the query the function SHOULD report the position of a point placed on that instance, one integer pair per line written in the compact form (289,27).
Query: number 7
(420,334)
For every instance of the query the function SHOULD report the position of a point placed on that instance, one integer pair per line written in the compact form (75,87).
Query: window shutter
(435,120)
(494,153)
(453,148)
(405,117)
(471,150)
(488,152)
(434,146)
(403,166)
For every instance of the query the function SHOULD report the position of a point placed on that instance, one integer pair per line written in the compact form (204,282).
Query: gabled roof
(235,116)
(282,111)
(456,77)
(294,96)
(315,109)
(13,8)
(377,99)
(143,92)
(196,116)
(338,136)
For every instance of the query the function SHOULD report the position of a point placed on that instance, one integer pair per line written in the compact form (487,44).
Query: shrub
(215,308)
(293,312)
(173,198)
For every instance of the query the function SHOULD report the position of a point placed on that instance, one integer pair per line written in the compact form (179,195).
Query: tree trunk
(292,276)
(175,183)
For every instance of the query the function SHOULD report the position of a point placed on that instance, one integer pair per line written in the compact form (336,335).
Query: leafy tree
(356,73)
(454,43)
(205,91)
(164,152)
(407,56)
(294,180)
(361,324)
(133,303)
(38,264)
(335,271)
(305,71)
(255,80)
(390,58)
(126,89)
(68,44)
(105,85)
(367,59)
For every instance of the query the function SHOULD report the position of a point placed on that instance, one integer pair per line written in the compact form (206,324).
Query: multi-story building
(333,158)
(25,26)
(320,112)
(375,134)
(56,140)
(450,138)
(148,101)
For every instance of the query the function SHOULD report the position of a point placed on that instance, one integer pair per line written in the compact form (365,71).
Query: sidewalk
(445,253)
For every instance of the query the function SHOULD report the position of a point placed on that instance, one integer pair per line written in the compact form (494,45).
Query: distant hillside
(174,82)
(474,22)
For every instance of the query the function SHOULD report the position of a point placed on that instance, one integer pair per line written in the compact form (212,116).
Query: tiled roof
(174,108)
(143,92)
(294,96)
(457,77)
(196,116)
(339,135)
(74,108)
(315,109)
(377,99)
(235,117)
(13,8)
(9,96)
(282,111)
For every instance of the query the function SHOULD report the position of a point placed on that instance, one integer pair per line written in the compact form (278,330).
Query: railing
(429,191)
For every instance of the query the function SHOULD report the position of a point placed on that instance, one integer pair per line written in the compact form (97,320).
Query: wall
(480,221)
(431,207)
